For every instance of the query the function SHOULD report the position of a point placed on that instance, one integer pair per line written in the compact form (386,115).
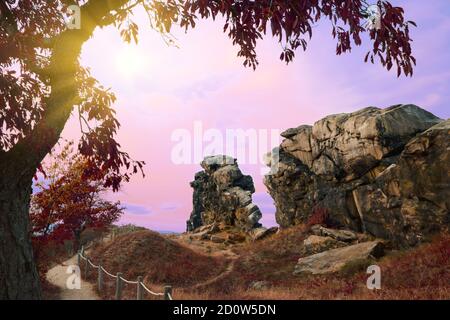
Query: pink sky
(203,80)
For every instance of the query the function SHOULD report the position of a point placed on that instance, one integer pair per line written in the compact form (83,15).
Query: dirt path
(58,277)
(225,273)
(209,249)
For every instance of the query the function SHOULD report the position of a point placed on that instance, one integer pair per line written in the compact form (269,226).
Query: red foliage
(291,22)
(68,202)
(320,216)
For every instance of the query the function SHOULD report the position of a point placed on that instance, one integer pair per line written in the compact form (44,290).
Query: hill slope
(419,273)
(159,260)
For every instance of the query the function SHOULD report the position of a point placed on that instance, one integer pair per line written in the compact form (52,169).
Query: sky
(163,91)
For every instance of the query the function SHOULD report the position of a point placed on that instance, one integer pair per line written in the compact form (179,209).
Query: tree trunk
(19,278)
(18,274)
(76,241)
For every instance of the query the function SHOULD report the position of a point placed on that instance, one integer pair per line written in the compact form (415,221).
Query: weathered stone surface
(261,232)
(335,259)
(381,171)
(339,235)
(201,235)
(217,239)
(236,237)
(223,196)
(411,199)
(316,244)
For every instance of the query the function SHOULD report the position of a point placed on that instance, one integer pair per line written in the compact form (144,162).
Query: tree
(42,83)
(65,204)
(68,202)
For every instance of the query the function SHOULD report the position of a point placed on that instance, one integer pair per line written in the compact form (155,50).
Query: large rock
(223,195)
(335,259)
(381,171)
(410,200)
(339,235)
(316,244)
(261,232)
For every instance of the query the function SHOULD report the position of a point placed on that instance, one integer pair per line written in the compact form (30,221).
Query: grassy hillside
(420,273)
(157,259)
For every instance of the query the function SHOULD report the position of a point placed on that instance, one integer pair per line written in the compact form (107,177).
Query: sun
(130,61)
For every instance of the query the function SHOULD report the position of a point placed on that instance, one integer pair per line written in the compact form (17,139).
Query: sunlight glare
(130,61)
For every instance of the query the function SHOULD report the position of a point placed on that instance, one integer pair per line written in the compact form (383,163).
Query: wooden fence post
(100,277)
(79,258)
(139,294)
(69,250)
(86,267)
(118,286)
(167,292)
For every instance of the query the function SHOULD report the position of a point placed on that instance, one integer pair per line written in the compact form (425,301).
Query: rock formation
(334,260)
(385,172)
(223,196)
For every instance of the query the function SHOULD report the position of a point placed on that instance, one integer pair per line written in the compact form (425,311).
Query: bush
(319,215)
(127,228)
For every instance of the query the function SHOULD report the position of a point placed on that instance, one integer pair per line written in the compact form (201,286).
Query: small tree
(68,201)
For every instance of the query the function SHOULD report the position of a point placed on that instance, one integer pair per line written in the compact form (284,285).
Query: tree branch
(29,151)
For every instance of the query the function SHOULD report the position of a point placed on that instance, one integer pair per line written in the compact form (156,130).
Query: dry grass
(420,273)
(158,260)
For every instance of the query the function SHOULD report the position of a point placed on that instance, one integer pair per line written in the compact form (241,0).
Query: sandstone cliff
(223,195)
(385,172)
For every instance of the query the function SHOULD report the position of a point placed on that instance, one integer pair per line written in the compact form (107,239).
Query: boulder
(410,200)
(385,172)
(202,235)
(339,235)
(334,260)
(217,239)
(260,233)
(223,197)
(236,237)
(315,244)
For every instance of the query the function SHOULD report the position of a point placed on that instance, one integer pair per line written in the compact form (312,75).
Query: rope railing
(92,265)
(150,291)
(106,272)
(129,282)
(167,294)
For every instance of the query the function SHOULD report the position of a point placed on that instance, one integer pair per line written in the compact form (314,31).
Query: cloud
(204,80)
(169,206)
(136,209)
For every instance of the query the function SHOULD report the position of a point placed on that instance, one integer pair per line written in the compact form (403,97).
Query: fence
(119,280)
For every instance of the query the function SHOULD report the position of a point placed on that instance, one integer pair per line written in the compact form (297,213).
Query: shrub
(319,215)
